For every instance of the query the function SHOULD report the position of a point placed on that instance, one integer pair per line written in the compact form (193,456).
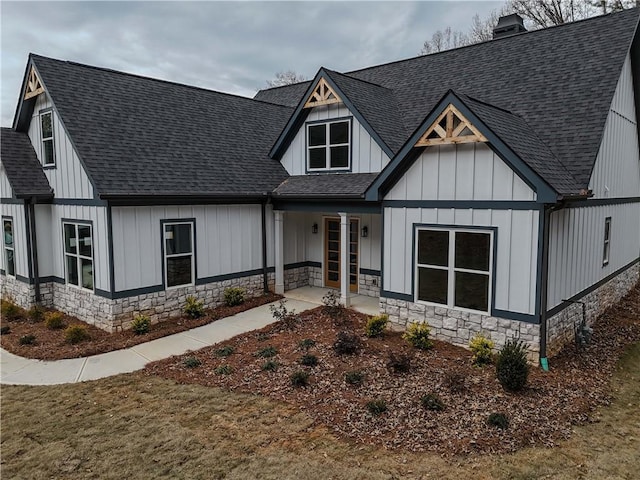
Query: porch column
(279,241)
(344,259)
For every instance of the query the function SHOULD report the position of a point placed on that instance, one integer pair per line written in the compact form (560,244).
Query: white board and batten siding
(366,154)
(5,187)
(228,239)
(16,212)
(465,172)
(68,178)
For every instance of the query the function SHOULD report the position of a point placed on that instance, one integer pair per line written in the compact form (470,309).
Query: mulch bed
(542,414)
(51,345)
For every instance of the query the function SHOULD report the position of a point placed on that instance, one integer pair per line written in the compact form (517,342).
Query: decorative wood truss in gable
(34,85)
(323,94)
(450,127)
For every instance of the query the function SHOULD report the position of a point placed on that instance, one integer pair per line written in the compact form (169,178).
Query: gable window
(328,145)
(78,254)
(178,253)
(9,250)
(607,241)
(48,150)
(454,268)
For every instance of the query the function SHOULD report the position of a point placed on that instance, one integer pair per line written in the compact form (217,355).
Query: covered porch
(360,303)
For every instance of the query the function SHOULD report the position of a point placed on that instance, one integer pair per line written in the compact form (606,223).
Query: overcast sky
(228,46)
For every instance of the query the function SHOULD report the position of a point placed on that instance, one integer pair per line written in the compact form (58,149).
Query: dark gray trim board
(327,206)
(161,199)
(396,295)
(366,271)
(597,202)
(90,202)
(521,317)
(11,201)
(308,263)
(463,204)
(558,308)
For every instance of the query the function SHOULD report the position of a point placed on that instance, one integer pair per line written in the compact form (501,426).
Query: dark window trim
(47,166)
(194,262)
(77,222)
(4,247)
(327,121)
(606,244)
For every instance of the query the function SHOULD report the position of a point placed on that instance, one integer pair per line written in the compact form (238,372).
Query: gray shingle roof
(140,136)
(327,185)
(23,169)
(559,81)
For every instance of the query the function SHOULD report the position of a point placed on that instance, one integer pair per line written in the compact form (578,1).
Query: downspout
(31,214)
(265,279)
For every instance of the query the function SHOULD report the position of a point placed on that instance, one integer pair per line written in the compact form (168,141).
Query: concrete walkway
(25,371)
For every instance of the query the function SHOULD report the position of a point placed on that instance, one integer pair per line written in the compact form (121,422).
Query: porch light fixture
(365,232)
(314,228)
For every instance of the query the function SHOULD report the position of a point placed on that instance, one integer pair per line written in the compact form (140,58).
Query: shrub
(191,362)
(225,351)
(376,325)
(482,349)
(377,407)
(306,344)
(267,352)
(27,340)
(309,360)
(300,378)
(223,370)
(332,306)
(354,377)
(54,320)
(347,343)
(456,381)
(281,314)
(270,366)
(193,308)
(141,324)
(76,334)
(234,296)
(10,311)
(431,401)
(499,420)
(512,368)
(5,330)
(399,362)
(36,314)
(417,335)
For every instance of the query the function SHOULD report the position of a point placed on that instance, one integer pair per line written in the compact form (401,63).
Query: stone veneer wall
(21,293)
(458,327)
(562,326)
(315,277)
(296,277)
(369,285)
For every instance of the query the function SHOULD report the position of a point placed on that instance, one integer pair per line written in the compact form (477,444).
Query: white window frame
(7,248)
(451,269)
(166,256)
(47,139)
(327,145)
(78,256)
(606,246)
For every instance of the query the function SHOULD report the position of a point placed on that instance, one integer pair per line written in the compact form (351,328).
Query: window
(454,268)
(9,251)
(78,254)
(607,241)
(329,145)
(48,150)
(178,253)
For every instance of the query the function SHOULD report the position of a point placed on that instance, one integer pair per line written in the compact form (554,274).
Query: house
(487,188)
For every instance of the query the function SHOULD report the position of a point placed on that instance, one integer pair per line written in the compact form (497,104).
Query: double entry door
(332,253)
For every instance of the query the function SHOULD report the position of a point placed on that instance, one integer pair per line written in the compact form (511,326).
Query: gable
(451,127)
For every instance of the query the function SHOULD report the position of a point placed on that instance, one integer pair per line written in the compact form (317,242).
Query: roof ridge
(358,79)
(159,80)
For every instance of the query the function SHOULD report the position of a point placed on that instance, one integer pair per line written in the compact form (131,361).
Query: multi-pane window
(607,241)
(454,268)
(48,150)
(178,253)
(9,251)
(78,254)
(328,145)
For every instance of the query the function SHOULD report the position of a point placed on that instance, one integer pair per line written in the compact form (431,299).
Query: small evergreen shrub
(223,370)
(10,311)
(347,343)
(54,320)
(354,378)
(377,407)
(376,325)
(225,351)
(75,334)
(332,306)
(267,352)
(306,344)
(399,362)
(36,314)
(270,366)
(431,401)
(5,330)
(261,336)
(234,296)
(141,324)
(300,378)
(417,335)
(455,381)
(191,362)
(309,360)
(512,368)
(498,420)
(193,308)
(27,340)
(281,314)
(482,349)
